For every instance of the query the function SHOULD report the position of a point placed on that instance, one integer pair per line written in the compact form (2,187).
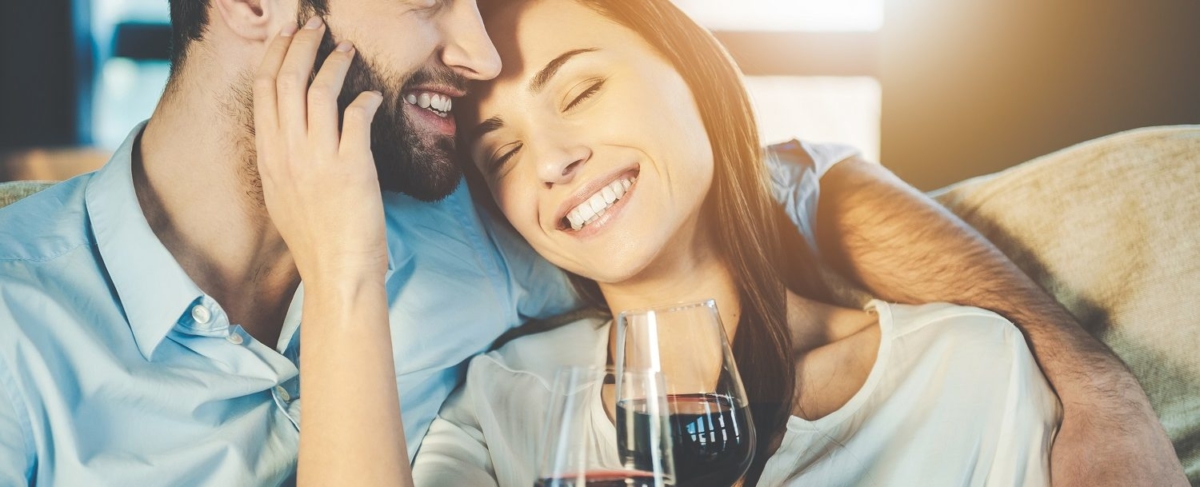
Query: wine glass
(712,430)
(583,448)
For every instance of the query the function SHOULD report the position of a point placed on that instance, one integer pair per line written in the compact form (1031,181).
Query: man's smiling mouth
(437,103)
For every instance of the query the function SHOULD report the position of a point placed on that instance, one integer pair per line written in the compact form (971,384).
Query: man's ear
(254,20)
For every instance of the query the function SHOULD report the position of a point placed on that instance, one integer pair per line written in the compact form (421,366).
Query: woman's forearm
(351,431)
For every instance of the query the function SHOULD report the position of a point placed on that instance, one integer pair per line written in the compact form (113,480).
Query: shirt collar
(153,289)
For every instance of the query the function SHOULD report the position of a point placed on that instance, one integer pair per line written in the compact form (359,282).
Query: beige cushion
(1111,227)
(13,191)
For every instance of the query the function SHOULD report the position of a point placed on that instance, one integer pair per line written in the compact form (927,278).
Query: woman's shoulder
(939,319)
(949,332)
(576,343)
(979,355)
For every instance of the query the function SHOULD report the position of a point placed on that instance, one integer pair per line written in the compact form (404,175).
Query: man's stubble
(424,167)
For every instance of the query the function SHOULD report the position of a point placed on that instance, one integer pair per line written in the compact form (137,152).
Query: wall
(975,86)
(41,64)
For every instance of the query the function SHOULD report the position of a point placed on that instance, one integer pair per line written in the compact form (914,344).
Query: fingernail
(378,94)
(344,46)
(288,30)
(313,23)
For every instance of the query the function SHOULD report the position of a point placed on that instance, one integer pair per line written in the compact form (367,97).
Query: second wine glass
(581,447)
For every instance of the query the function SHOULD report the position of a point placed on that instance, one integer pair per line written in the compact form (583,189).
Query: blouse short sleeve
(796,169)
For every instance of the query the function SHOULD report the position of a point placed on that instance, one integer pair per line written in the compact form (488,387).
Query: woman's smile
(597,204)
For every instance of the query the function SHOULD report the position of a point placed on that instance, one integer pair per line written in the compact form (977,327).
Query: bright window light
(125,91)
(844,110)
(786,15)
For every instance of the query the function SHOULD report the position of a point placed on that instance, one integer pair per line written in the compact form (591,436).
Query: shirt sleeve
(538,289)
(796,169)
(454,451)
(16,448)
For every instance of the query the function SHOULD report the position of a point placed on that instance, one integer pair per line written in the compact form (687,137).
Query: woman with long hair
(597,95)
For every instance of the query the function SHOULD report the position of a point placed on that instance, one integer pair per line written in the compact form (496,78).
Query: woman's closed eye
(587,93)
(506,153)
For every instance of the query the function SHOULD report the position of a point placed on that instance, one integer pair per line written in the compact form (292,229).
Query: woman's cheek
(520,208)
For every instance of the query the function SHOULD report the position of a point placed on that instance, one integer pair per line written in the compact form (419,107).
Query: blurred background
(938,90)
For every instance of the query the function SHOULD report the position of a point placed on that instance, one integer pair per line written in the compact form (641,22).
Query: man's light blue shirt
(117,369)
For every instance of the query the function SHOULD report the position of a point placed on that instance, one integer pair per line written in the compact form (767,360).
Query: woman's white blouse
(954,399)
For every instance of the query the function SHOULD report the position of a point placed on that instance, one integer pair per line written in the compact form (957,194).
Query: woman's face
(590,142)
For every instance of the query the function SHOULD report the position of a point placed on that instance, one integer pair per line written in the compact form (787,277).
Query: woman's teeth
(595,206)
(437,103)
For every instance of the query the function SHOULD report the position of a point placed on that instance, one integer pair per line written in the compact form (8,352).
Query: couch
(1111,228)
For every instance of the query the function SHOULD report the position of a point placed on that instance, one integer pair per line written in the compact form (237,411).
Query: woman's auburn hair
(753,235)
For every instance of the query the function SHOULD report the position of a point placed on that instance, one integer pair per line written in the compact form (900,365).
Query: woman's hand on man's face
(319,183)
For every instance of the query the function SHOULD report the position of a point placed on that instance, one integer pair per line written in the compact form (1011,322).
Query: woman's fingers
(356,126)
(323,99)
(292,82)
(265,106)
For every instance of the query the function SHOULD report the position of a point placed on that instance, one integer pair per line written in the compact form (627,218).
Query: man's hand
(902,246)
(319,179)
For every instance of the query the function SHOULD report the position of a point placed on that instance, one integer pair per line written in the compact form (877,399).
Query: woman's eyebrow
(538,82)
(489,125)
(535,85)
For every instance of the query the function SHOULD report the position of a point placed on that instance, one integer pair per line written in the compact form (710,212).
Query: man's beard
(422,166)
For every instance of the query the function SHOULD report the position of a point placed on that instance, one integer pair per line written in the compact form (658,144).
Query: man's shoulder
(47,224)
(403,208)
(430,227)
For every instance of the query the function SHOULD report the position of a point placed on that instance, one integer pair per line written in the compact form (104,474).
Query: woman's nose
(559,166)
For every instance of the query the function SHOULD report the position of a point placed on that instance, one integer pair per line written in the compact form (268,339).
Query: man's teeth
(595,206)
(435,102)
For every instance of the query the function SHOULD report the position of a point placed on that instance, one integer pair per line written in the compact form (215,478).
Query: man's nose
(468,49)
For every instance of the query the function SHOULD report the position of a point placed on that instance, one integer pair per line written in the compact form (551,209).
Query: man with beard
(149,311)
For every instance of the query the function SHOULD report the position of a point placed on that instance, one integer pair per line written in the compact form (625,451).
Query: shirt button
(234,338)
(283,393)
(201,314)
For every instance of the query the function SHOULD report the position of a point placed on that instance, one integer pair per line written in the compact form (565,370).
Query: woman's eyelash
(585,95)
(499,162)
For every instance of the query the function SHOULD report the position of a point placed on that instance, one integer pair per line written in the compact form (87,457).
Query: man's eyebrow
(552,67)
(489,125)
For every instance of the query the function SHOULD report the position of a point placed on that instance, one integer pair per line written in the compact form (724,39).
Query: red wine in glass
(712,437)
(706,411)
(602,478)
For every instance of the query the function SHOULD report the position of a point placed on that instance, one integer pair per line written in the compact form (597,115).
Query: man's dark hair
(189,19)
